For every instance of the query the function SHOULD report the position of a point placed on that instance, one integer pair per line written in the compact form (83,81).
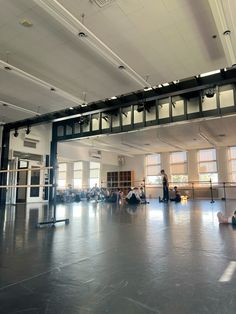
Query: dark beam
(184,87)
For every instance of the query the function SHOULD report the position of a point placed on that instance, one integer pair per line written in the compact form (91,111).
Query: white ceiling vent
(103,3)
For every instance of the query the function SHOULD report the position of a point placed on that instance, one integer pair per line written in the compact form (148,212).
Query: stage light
(27,131)
(16,133)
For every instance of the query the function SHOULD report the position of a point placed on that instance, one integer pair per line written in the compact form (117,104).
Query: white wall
(42,132)
(71,151)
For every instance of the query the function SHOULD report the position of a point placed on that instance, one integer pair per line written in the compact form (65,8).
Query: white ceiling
(161,40)
(158,40)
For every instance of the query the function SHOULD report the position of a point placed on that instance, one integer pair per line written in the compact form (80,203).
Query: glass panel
(207,154)
(78,183)
(178,108)
(209,103)
(179,178)
(94,165)
(226,98)
(94,173)
(178,157)
(154,180)
(62,175)
(178,168)
(163,111)
(78,165)
(153,170)
(193,105)
(77,174)
(206,167)
(153,159)
(208,176)
(232,152)
(62,166)
(233,165)
(233,177)
(34,180)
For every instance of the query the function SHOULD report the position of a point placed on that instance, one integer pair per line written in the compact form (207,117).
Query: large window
(232,163)
(61,181)
(94,174)
(77,174)
(153,169)
(178,167)
(207,166)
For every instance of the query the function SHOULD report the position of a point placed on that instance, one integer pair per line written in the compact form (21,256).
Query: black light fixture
(27,131)
(83,120)
(144,106)
(16,133)
(210,92)
(140,107)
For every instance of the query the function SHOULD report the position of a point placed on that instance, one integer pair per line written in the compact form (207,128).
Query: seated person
(177,196)
(133,197)
(226,220)
(142,193)
(114,196)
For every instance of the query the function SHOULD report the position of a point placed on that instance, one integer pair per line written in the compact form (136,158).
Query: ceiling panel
(161,40)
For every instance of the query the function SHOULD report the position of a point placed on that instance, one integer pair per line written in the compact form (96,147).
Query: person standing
(165,185)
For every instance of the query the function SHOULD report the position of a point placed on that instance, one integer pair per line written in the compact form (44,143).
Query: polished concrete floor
(154,258)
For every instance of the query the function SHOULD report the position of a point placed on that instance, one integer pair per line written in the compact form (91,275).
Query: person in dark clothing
(165,185)
(133,197)
(177,197)
(227,220)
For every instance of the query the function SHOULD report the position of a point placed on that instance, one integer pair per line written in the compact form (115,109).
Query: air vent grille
(103,3)
(30,144)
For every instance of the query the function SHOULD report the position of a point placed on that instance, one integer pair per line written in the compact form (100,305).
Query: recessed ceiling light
(113,97)
(52,89)
(71,108)
(165,84)
(26,23)
(121,67)
(82,34)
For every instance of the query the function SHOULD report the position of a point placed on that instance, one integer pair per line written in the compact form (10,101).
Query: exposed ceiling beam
(183,88)
(222,11)
(10,69)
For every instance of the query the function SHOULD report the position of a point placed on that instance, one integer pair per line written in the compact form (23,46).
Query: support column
(4,163)
(85,175)
(223,171)
(53,163)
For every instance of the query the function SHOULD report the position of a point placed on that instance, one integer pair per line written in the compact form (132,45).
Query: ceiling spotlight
(82,34)
(210,92)
(140,107)
(27,131)
(121,67)
(7,68)
(16,133)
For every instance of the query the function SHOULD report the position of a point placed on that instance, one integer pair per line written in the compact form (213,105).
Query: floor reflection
(111,258)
